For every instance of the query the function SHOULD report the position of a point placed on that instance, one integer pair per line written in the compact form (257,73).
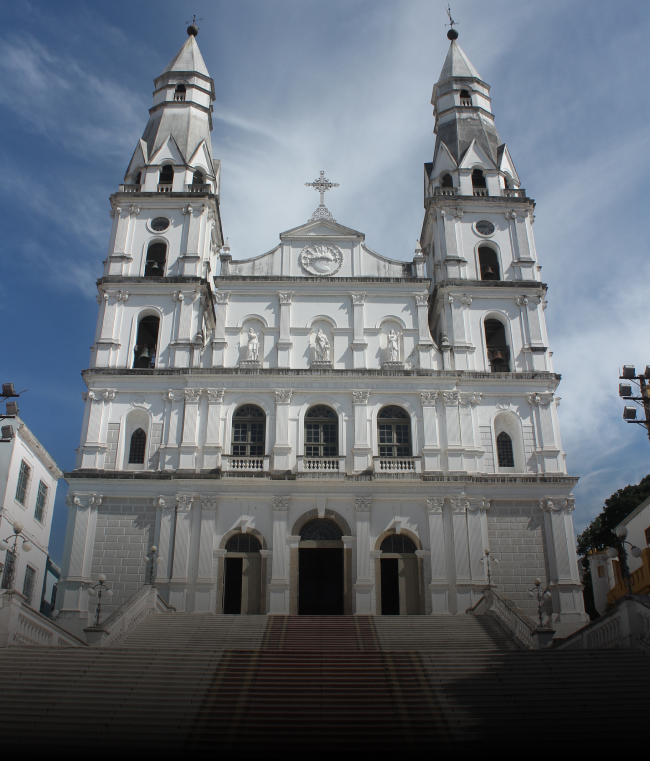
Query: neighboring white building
(321,428)
(28,481)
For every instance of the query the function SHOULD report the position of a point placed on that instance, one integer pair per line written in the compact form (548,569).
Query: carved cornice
(428,398)
(362,504)
(557,505)
(459,504)
(360,397)
(358,298)
(283,395)
(280,503)
(83,500)
(102,395)
(192,394)
(184,502)
(285,298)
(209,503)
(451,398)
(435,505)
(421,299)
(215,395)
(472,398)
(540,400)
(222,297)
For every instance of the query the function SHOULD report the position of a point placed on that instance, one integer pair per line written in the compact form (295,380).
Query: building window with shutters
(41,503)
(22,490)
(248,426)
(29,585)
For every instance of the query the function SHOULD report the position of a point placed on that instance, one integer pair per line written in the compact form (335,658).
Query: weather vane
(322,185)
(451,21)
(194,20)
(193,29)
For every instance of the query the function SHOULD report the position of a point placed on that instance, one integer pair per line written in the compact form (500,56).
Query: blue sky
(343,86)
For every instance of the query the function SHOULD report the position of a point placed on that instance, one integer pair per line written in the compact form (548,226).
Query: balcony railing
(130,188)
(332,466)
(205,188)
(405,466)
(445,191)
(179,97)
(480,192)
(165,187)
(514,192)
(234,464)
(465,101)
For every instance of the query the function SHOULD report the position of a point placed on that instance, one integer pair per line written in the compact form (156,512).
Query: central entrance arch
(320,569)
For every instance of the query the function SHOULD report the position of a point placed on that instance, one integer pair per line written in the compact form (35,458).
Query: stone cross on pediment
(322,185)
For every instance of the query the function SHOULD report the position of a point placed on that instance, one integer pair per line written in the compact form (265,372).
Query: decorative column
(459,507)
(364,584)
(453,260)
(431,449)
(94,449)
(119,259)
(439,586)
(445,346)
(359,343)
(169,456)
(219,343)
(189,444)
(107,346)
(212,448)
(425,344)
(564,582)
(452,424)
(282,448)
(165,526)
(182,343)
(72,596)
(523,261)
(205,594)
(181,564)
(468,429)
(361,451)
(477,533)
(189,260)
(279,586)
(547,451)
(284,344)
(531,331)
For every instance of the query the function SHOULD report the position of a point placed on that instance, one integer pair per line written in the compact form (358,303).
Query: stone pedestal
(250,364)
(395,366)
(542,637)
(319,364)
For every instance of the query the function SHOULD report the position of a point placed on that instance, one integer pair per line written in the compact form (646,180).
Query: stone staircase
(247,685)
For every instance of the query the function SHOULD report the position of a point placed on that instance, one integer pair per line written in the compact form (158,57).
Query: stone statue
(253,351)
(393,347)
(322,346)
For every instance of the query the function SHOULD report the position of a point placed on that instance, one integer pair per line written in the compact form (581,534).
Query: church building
(323,428)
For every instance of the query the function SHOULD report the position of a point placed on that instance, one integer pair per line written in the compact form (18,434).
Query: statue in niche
(393,346)
(253,349)
(322,347)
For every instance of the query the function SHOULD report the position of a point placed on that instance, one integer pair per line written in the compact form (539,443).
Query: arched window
(137,448)
(166,175)
(137,180)
(144,354)
(497,347)
(248,427)
(488,262)
(398,543)
(155,262)
(465,98)
(504,451)
(198,178)
(320,529)
(394,432)
(243,543)
(478,179)
(447,181)
(179,93)
(321,432)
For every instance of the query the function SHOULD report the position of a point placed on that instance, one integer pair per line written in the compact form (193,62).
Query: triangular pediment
(201,157)
(324,228)
(443,161)
(139,158)
(476,155)
(168,151)
(506,163)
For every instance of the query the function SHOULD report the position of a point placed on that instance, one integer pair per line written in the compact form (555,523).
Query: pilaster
(439,586)
(189,443)
(279,586)
(181,553)
(425,344)
(364,583)
(205,593)
(361,451)
(219,343)
(94,448)
(212,448)
(359,344)
(431,448)
(282,448)
(284,344)
(170,451)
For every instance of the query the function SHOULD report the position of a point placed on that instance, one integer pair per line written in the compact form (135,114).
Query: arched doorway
(242,575)
(320,569)
(400,594)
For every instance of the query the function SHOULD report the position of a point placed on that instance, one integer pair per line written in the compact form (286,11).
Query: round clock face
(484,227)
(162,223)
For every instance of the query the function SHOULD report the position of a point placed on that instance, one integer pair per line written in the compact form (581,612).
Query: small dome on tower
(452,34)
(193,30)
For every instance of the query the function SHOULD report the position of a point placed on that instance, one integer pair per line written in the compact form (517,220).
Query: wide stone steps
(246,686)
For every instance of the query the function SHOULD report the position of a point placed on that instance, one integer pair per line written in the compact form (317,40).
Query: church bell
(144,353)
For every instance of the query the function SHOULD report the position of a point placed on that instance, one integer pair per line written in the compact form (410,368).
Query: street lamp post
(99,589)
(151,558)
(486,560)
(625,392)
(541,597)
(621,553)
(11,559)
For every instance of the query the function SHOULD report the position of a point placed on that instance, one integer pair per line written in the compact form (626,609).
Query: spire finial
(322,185)
(452,34)
(193,29)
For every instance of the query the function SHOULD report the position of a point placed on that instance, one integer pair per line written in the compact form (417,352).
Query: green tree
(599,534)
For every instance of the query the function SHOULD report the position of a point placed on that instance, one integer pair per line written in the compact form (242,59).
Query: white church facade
(321,429)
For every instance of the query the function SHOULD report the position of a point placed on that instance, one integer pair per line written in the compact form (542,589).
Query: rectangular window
(41,502)
(29,585)
(23,483)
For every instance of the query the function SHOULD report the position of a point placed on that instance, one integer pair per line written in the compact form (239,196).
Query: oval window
(162,223)
(484,227)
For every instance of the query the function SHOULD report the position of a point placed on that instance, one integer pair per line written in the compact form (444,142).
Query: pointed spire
(188,58)
(457,64)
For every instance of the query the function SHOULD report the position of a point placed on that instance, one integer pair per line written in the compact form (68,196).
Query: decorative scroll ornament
(543,399)
(362,504)
(460,504)
(321,259)
(322,185)
(184,501)
(209,503)
(428,398)
(435,504)
(280,503)
(283,395)
(215,395)
(360,397)
(192,394)
(83,500)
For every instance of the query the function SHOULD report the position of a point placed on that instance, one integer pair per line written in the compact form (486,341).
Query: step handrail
(127,617)
(516,623)
(20,624)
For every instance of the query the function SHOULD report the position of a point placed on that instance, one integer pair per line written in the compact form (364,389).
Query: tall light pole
(625,392)
(11,558)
